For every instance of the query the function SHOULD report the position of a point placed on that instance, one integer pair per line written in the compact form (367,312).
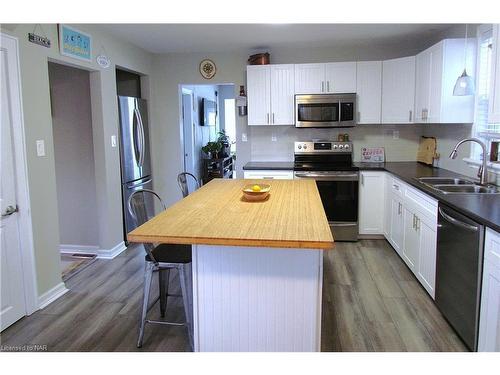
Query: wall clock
(207,69)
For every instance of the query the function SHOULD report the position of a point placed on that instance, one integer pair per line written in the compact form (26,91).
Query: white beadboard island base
(256,299)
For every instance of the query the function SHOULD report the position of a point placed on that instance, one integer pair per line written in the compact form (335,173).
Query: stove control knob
(346,147)
(335,147)
(299,147)
(305,147)
(341,146)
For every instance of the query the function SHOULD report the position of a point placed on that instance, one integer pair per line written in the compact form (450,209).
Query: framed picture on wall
(74,43)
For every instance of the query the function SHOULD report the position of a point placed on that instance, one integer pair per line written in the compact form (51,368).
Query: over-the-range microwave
(325,111)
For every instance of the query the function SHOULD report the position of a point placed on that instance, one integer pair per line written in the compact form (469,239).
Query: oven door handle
(339,177)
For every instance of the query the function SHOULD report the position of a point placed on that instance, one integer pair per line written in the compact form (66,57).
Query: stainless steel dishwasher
(459,267)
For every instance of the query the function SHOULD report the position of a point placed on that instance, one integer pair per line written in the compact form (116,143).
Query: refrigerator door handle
(142,140)
(134,185)
(135,129)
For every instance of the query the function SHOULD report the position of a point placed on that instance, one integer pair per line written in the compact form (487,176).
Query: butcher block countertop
(216,214)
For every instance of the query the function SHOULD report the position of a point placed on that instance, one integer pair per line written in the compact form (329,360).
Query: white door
(282,94)
(259,95)
(369,90)
(422,85)
(310,79)
(192,158)
(411,242)
(371,203)
(398,91)
(427,255)
(397,228)
(341,77)
(12,299)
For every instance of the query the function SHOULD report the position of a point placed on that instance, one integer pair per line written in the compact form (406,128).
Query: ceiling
(171,38)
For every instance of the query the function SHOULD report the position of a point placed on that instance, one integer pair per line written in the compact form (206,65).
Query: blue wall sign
(74,43)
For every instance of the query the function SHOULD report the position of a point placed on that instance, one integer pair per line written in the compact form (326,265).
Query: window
(482,129)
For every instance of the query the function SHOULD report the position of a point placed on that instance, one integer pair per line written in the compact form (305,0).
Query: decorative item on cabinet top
(207,69)
(259,59)
(241,102)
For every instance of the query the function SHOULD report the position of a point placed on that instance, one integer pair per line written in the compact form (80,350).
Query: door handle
(10,210)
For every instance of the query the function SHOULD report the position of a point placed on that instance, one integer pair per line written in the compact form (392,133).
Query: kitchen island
(257,266)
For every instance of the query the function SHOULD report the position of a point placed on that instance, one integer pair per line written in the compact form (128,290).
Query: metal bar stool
(182,179)
(161,258)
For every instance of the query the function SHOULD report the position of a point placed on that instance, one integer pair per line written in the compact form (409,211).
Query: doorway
(75,168)
(197,129)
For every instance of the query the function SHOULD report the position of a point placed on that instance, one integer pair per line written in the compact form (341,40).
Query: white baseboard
(78,249)
(111,253)
(51,295)
(101,253)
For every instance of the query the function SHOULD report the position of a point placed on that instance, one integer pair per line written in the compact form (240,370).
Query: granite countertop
(484,208)
(269,165)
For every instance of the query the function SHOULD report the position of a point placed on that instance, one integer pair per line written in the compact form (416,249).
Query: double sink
(450,185)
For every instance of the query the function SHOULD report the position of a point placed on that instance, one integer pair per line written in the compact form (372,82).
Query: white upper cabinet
(398,90)
(310,79)
(270,94)
(282,94)
(340,77)
(437,70)
(494,103)
(369,90)
(259,94)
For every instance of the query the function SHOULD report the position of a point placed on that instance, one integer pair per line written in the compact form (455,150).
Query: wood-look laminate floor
(371,302)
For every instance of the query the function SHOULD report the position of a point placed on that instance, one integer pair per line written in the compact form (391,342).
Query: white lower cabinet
(489,320)
(268,174)
(411,228)
(371,202)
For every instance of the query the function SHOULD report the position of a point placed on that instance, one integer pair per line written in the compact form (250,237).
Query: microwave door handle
(457,222)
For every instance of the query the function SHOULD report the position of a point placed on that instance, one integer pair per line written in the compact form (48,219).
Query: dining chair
(182,180)
(161,258)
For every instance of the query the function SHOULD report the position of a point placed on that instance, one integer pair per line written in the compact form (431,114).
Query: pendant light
(465,84)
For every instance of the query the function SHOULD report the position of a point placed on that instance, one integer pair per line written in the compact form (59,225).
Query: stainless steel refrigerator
(134,154)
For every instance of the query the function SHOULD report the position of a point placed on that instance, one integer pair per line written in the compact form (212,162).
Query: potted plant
(212,149)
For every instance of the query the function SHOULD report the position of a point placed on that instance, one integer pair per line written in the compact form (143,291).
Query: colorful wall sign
(74,43)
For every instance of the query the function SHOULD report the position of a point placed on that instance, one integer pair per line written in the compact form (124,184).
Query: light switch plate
(113,141)
(244,137)
(40,147)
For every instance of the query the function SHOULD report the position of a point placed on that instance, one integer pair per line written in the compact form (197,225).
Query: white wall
(74,155)
(38,125)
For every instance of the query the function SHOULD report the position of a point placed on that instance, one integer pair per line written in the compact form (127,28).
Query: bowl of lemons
(256,192)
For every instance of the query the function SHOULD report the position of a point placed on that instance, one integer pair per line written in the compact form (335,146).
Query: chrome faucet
(482,173)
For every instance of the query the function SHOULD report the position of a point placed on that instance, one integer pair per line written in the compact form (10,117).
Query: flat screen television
(209,112)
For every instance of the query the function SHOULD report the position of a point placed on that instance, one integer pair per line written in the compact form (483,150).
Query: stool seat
(171,253)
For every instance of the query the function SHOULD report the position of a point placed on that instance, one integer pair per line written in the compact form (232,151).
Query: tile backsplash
(400,141)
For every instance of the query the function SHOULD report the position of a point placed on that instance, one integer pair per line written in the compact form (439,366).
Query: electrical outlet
(40,147)
(395,134)
(274,138)
(113,141)
(244,137)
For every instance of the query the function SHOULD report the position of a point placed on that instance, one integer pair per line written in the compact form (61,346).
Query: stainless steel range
(329,163)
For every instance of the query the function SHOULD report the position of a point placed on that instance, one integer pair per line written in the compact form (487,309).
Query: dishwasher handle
(457,222)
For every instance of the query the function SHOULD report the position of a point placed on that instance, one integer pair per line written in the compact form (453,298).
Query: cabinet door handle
(395,187)
(328,86)
(362,179)
(273,117)
(322,86)
(418,223)
(411,113)
(268,118)
(399,208)
(267,177)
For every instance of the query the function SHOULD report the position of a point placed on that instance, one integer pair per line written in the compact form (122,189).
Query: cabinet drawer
(269,175)
(398,187)
(492,247)
(421,202)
